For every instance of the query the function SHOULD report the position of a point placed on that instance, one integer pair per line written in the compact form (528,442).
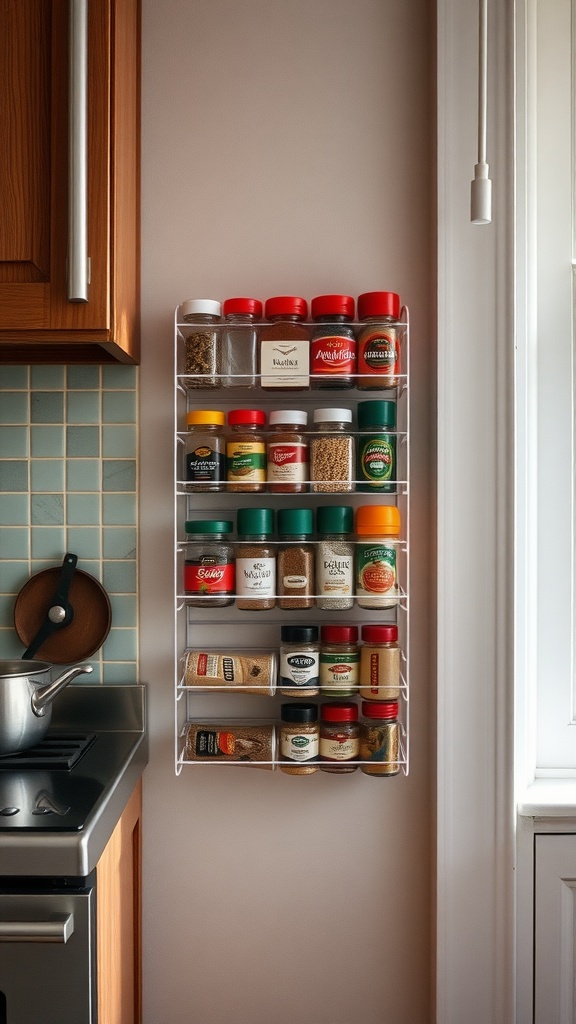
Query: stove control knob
(8,811)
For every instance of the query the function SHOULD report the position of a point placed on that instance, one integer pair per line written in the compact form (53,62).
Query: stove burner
(58,750)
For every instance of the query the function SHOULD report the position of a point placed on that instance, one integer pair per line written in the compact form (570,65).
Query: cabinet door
(555,929)
(37,321)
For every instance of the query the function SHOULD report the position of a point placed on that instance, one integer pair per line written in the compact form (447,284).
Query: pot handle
(43,696)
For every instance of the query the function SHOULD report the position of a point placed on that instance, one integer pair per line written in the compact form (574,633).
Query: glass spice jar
(379,662)
(202,346)
(284,358)
(246,450)
(239,342)
(287,452)
(295,563)
(376,459)
(255,559)
(204,451)
(380,738)
(339,661)
(332,452)
(339,737)
(209,579)
(299,661)
(299,739)
(377,547)
(333,343)
(334,557)
(378,341)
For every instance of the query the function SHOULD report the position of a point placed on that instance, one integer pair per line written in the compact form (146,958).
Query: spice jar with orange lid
(378,341)
(377,548)
(246,450)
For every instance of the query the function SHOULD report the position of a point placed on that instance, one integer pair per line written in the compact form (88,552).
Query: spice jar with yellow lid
(205,451)
(377,548)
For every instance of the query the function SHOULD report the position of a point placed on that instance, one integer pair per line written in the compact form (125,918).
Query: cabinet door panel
(555,929)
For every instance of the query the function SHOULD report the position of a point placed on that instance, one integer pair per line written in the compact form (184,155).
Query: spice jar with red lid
(380,738)
(246,450)
(379,662)
(333,342)
(378,341)
(339,661)
(239,342)
(339,737)
(285,344)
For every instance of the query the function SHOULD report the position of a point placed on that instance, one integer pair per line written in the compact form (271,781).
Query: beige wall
(287,147)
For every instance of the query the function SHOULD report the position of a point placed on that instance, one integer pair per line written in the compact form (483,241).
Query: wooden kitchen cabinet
(118,920)
(38,323)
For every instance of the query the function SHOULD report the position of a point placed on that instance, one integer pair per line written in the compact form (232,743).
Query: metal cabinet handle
(56,928)
(78,264)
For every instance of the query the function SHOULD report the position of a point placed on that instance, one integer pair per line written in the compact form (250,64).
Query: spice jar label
(379,352)
(256,577)
(204,464)
(294,582)
(333,355)
(335,575)
(287,462)
(339,747)
(246,461)
(338,671)
(376,460)
(299,669)
(376,569)
(207,577)
(298,746)
(285,363)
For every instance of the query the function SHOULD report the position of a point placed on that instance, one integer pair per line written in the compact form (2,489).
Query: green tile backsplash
(69,482)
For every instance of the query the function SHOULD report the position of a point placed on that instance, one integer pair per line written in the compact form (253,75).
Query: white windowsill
(549,798)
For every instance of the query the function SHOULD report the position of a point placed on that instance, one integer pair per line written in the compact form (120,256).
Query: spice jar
(379,663)
(255,559)
(295,568)
(287,452)
(339,737)
(202,346)
(332,451)
(285,344)
(377,547)
(204,447)
(299,661)
(333,343)
(246,451)
(299,736)
(376,461)
(239,342)
(380,738)
(339,661)
(378,341)
(334,557)
(209,564)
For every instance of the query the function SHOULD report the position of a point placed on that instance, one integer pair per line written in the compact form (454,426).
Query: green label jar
(376,462)
(339,661)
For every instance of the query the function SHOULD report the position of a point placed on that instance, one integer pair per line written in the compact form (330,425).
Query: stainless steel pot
(26,695)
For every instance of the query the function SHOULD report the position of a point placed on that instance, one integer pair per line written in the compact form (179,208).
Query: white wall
(287,147)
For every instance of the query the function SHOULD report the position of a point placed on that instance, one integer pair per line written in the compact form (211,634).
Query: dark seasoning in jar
(204,447)
(333,343)
(202,346)
(295,558)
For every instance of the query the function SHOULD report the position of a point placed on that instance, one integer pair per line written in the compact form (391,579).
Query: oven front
(47,951)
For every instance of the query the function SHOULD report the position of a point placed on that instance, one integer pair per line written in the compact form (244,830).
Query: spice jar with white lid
(332,452)
(334,557)
(379,341)
(209,577)
(284,358)
(339,737)
(295,562)
(202,344)
(255,559)
(239,342)
(205,451)
(246,450)
(299,738)
(339,661)
(299,661)
(377,549)
(287,451)
(380,738)
(379,662)
(333,342)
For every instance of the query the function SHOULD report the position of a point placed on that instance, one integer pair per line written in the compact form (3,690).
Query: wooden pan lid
(81,637)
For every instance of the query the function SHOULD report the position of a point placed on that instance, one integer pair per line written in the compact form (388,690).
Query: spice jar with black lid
(246,450)
(287,451)
(202,346)
(205,451)
(376,460)
(379,341)
(295,563)
(339,737)
(255,559)
(334,557)
(209,578)
(339,661)
(284,358)
(299,661)
(239,342)
(332,451)
(380,738)
(299,738)
(333,343)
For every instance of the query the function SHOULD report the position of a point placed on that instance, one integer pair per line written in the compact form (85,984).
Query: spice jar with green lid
(339,661)
(334,557)
(255,559)
(209,578)
(295,563)
(204,448)
(376,459)
(377,549)
(379,662)
(339,737)
(246,450)
(299,738)
(202,344)
(380,738)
